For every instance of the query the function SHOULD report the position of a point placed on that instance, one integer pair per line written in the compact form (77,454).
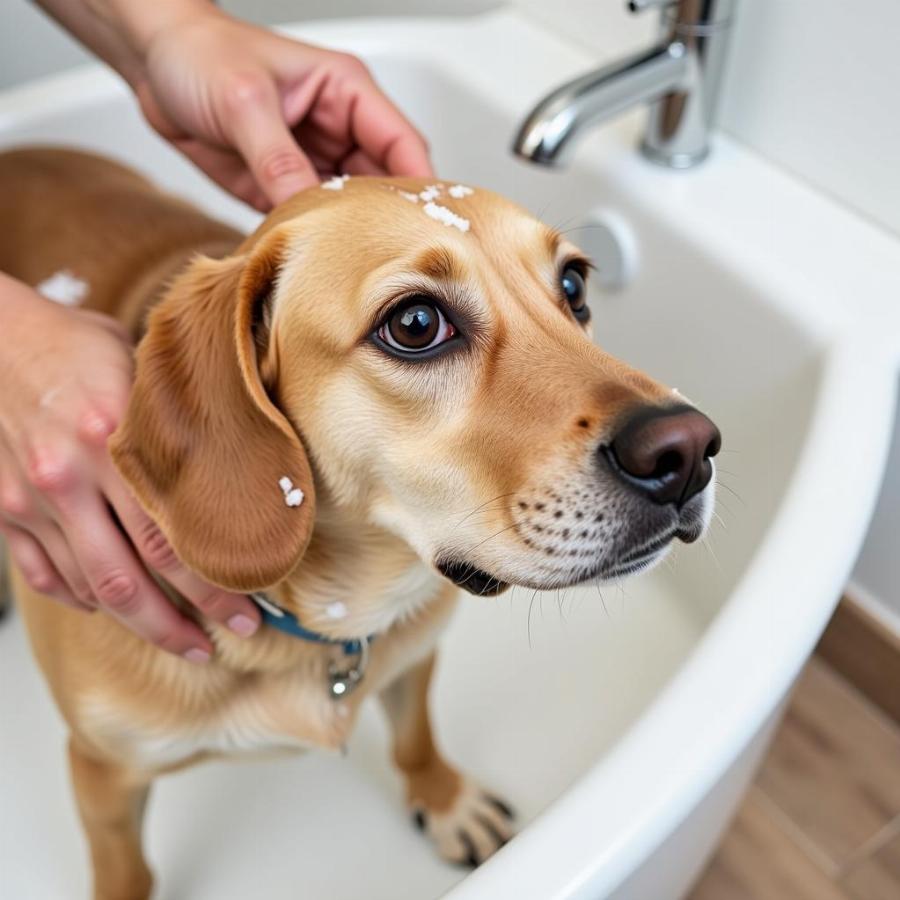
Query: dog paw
(473,828)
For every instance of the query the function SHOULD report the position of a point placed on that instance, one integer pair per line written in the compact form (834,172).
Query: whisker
(563,601)
(485,512)
(560,599)
(720,502)
(482,505)
(530,605)
(712,552)
(730,490)
(563,229)
(602,601)
(490,537)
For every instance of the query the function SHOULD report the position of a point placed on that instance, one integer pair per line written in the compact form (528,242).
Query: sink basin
(624,722)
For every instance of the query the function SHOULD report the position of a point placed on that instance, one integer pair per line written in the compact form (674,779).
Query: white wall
(812,84)
(31,45)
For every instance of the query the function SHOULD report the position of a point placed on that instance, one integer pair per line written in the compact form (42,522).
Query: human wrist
(140,23)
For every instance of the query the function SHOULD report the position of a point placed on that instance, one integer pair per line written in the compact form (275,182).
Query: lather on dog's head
(426,353)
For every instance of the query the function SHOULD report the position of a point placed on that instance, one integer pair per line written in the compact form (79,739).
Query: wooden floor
(822,820)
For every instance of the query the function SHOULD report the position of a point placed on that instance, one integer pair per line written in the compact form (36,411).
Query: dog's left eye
(416,325)
(574,290)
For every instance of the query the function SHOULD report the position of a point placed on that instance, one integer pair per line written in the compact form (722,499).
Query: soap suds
(336,183)
(336,610)
(447,216)
(458,191)
(64,288)
(292,496)
(431,192)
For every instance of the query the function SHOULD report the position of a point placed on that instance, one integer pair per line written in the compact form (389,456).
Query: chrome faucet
(679,78)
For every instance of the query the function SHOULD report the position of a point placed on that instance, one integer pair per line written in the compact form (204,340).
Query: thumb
(262,137)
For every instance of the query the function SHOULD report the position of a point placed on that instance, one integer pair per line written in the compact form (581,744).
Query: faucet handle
(637,6)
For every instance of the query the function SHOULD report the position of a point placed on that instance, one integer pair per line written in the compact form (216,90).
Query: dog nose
(666,453)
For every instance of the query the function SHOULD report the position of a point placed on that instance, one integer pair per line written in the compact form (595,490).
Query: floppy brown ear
(202,445)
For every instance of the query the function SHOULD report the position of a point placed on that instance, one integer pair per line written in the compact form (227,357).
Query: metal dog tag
(344,679)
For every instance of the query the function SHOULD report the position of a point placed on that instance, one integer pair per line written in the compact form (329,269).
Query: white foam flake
(294,497)
(458,191)
(408,195)
(336,610)
(447,216)
(336,183)
(64,288)
(431,192)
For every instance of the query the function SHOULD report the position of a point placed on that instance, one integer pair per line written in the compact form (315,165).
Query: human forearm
(119,31)
(263,115)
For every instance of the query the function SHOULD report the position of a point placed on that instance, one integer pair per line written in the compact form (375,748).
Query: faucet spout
(677,79)
(547,134)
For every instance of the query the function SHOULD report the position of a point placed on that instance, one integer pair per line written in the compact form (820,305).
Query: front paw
(472,828)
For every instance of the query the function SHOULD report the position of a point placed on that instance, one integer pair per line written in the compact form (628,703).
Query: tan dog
(416,360)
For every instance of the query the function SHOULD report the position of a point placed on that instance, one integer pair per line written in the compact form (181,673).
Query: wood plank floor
(822,820)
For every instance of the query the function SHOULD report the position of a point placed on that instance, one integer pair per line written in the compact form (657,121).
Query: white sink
(622,727)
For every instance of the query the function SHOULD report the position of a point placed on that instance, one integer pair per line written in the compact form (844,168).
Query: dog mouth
(482,584)
(636,556)
(469,578)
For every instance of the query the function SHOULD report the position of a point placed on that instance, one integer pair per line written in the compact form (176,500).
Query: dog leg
(465,823)
(111,802)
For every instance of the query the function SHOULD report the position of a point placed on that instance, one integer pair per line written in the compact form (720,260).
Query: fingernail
(196,655)
(242,625)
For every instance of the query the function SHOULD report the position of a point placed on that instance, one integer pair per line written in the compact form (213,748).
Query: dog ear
(202,445)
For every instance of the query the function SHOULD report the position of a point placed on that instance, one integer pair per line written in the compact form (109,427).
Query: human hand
(73,527)
(266,116)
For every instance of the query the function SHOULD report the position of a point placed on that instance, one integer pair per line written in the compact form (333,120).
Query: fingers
(37,543)
(108,323)
(256,126)
(386,137)
(38,571)
(115,577)
(234,611)
(124,588)
(227,169)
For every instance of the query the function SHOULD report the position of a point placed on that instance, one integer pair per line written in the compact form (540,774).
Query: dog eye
(416,325)
(572,283)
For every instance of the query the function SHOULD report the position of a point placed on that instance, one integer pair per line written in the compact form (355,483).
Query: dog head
(426,351)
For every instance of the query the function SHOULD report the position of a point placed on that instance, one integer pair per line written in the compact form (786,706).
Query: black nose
(665,452)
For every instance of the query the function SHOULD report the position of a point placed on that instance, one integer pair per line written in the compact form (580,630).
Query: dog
(384,394)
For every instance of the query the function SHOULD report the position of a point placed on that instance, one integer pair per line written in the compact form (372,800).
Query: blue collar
(281,619)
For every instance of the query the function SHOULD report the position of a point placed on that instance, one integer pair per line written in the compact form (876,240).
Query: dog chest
(287,719)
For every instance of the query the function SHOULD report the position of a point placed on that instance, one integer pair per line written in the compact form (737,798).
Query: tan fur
(399,462)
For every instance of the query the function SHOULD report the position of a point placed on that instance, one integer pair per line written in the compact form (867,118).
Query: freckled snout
(665,453)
